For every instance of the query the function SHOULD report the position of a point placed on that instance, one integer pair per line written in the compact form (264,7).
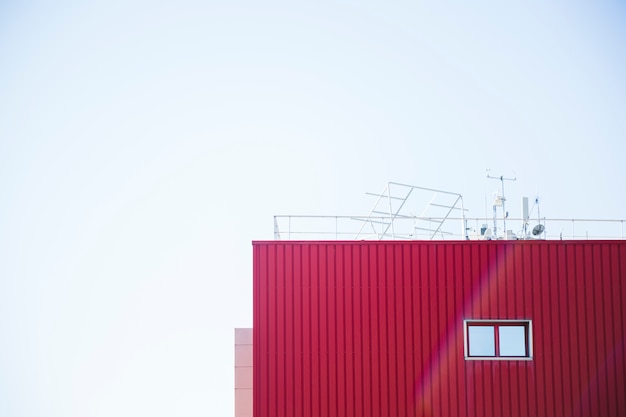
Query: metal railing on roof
(442,218)
(304,227)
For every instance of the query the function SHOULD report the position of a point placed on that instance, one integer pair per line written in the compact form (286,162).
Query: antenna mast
(504,213)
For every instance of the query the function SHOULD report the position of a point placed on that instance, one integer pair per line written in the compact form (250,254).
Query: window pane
(512,340)
(481,341)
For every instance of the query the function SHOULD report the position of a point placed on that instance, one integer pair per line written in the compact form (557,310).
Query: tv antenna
(500,201)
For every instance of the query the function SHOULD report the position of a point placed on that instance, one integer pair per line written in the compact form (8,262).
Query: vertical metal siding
(376,328)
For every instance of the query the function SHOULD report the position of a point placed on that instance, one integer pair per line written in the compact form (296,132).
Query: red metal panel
(598,387)
(563,353)
(344,269)
(616,298)
(376,328)
(314,319)
(619,352)
(305,328)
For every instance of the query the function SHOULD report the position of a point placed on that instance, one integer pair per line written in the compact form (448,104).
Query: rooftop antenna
(540,228)
(537,231)
(525,216)
(502,200)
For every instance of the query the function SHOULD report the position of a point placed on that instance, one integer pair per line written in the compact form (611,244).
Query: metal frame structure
(391,204)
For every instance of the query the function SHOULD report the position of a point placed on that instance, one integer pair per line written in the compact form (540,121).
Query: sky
(145,145)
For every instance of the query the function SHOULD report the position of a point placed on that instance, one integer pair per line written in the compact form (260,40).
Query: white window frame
(496,322)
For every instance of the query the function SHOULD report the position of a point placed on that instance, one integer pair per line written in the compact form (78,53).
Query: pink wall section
(376,328)
(243,372)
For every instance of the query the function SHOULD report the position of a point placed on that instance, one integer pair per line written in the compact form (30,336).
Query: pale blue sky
(143,145)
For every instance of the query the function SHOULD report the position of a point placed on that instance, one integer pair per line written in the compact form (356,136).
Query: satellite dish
(537,230)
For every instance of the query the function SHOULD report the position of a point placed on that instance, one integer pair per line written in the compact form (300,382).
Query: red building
(439,328)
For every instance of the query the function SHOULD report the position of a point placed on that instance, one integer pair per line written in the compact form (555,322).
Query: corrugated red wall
(376,328)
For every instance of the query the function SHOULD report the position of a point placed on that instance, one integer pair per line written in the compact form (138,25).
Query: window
(498,339)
